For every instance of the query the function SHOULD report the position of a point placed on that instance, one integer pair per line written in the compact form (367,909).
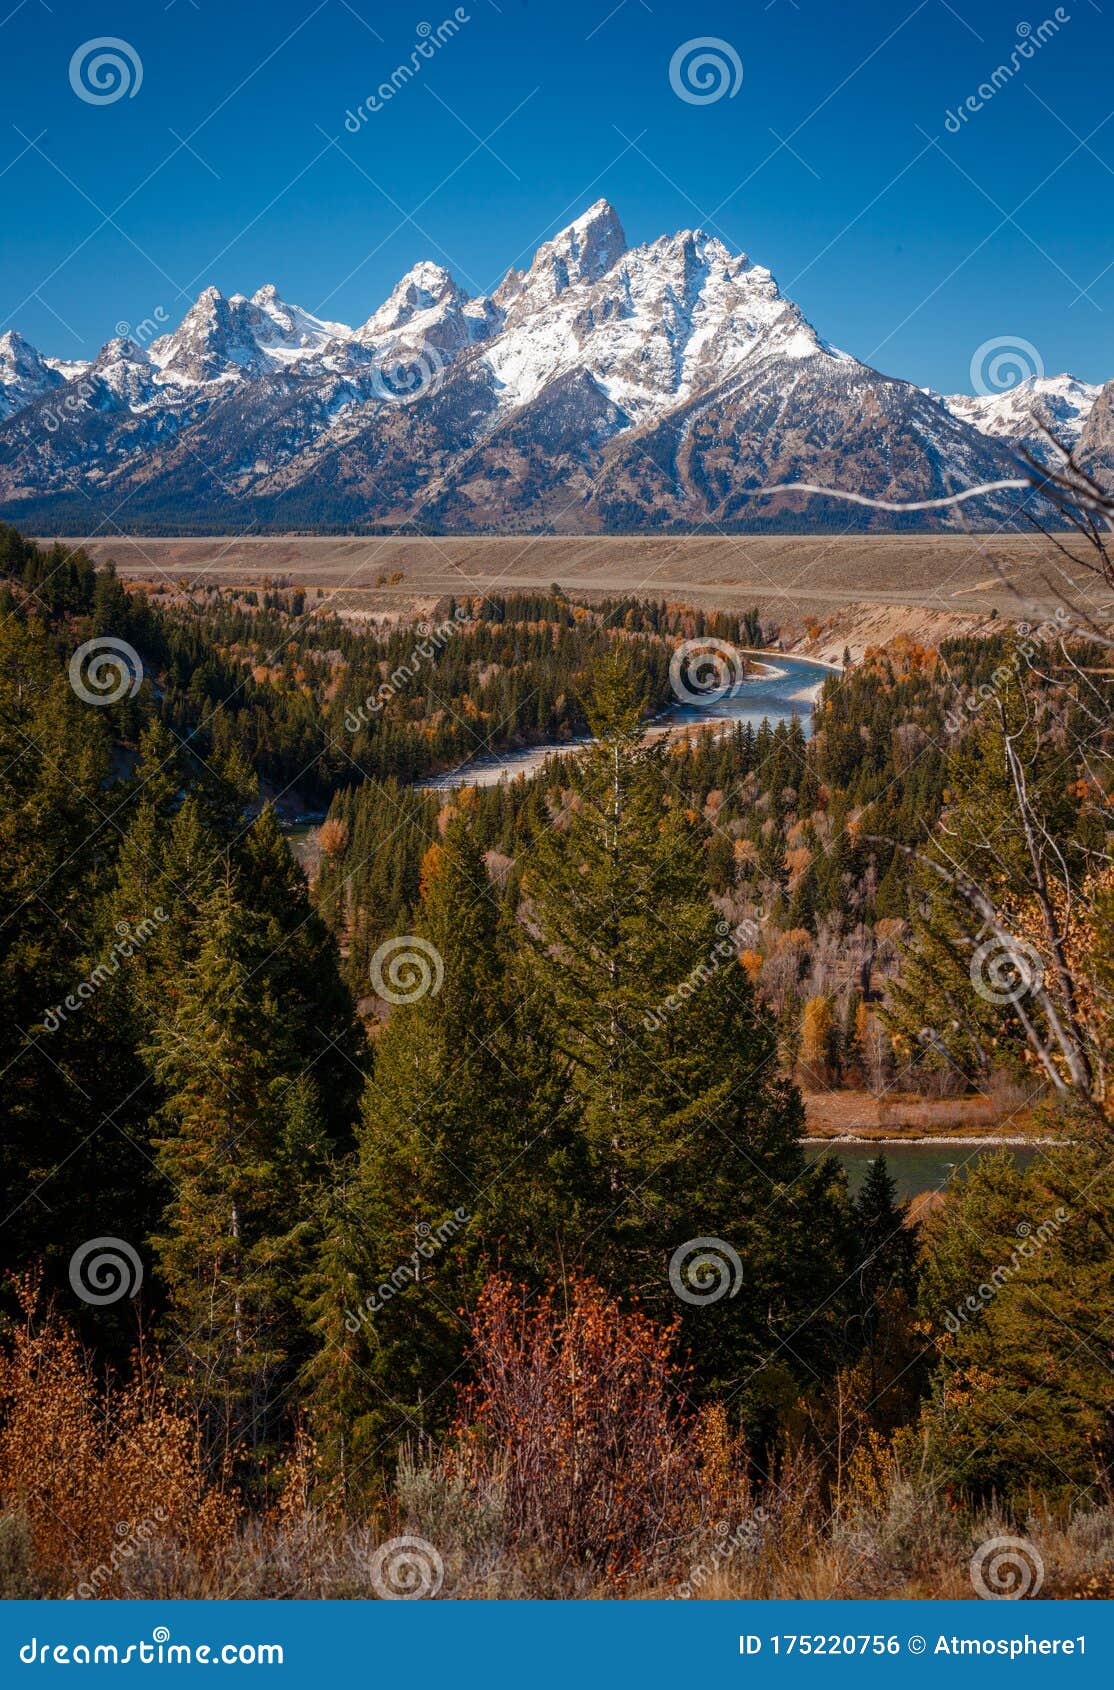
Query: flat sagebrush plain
(788,576)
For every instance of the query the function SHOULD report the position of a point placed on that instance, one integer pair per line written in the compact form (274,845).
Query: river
(785,688)
(915,1168)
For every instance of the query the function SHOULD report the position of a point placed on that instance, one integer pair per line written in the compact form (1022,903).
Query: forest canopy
(358,1198)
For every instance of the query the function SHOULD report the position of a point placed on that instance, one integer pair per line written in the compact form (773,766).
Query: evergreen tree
(671,1067)
(463,1162)
(1016,1294)
(239,1143)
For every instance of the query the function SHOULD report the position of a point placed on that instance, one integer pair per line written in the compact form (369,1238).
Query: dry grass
(787,575)
(570,1475)
(908,1543)
(93,1476)
(857,1114)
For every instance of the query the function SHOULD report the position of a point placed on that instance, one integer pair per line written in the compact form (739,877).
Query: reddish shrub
(573,1413)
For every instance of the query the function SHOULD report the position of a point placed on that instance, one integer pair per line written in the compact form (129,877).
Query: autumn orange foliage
(96,1474)
(573,1413)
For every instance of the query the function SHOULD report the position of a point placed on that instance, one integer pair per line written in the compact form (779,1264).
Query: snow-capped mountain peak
(1061,403)
(582,252)
(288,332)
(219,339)
(655,325)
(424,297)
(211,341)
(601,387)
(25,374)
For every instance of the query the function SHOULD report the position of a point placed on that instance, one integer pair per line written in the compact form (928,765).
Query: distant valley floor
(954,582)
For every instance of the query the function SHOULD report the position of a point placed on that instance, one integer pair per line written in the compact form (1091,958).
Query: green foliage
(1016,1290)
(593,1081)
(669,1064)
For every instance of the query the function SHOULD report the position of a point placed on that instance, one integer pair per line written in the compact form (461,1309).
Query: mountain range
(604,389)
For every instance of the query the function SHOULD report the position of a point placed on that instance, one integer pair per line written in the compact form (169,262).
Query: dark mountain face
(603,389)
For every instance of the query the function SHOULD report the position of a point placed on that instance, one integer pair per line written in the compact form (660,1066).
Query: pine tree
(887,1246)
(670,1066)
(236,1140)
(1016,1293)
(463,1162)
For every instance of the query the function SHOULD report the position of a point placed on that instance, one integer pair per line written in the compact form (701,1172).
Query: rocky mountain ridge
(601,389)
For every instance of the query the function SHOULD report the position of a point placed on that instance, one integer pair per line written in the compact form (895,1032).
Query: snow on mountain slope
(221,339)
(70,369)
(25,374)
(662,321)
(1096,443)
(427,309)
(287,333)
(602,387)
(1062,403)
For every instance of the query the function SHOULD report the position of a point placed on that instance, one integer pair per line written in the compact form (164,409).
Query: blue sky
(833,162)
